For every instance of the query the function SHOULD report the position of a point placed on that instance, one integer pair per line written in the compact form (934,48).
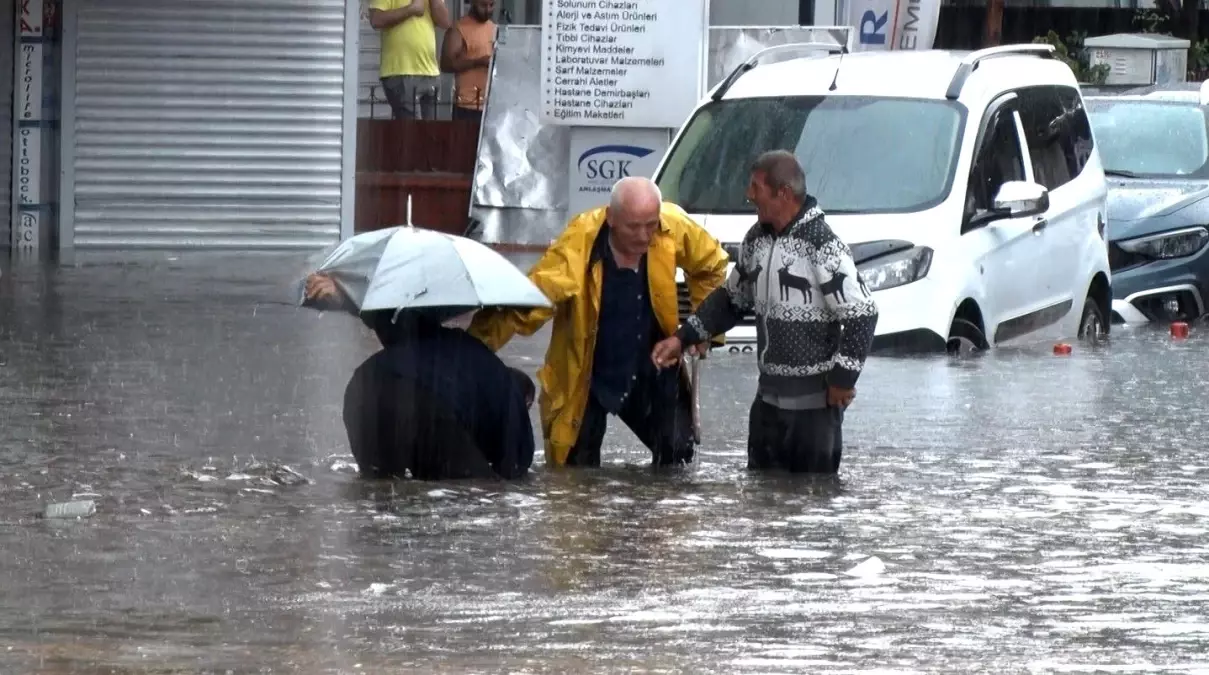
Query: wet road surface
(1032,513)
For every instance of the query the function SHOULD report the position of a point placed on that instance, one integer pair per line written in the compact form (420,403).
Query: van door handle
(1040,225)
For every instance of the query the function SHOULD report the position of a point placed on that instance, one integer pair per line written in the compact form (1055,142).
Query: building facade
(8,14)
(224,124)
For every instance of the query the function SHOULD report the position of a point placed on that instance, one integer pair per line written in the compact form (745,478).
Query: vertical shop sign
(28,126)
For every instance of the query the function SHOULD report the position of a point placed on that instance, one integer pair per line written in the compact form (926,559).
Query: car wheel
(1092,326)
(965,338)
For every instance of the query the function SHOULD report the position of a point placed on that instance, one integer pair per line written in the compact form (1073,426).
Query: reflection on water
(1033,513)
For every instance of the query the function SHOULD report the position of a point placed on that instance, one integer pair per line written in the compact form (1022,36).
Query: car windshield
(1152,138)
(861,154)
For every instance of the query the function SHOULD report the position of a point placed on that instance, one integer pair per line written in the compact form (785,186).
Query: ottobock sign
(621,63)
(601,157)
(894,24)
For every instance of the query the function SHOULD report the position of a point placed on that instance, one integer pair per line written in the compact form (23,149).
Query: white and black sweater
(814,316)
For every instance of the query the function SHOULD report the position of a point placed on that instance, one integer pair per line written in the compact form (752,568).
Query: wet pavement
(1031,513)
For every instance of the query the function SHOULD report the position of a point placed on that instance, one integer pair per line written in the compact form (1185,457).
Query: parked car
(967,185)
(1154,142)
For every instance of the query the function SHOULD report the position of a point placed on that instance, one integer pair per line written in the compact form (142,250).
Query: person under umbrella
(434,403)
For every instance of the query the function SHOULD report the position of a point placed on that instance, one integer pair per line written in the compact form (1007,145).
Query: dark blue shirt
(473,384)
(623,333)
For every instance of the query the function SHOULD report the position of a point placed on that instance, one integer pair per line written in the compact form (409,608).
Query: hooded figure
(437,404)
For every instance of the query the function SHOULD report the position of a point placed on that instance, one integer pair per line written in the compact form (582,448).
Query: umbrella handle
(409,223)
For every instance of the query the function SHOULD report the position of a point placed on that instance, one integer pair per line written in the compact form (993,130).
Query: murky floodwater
(1033,513)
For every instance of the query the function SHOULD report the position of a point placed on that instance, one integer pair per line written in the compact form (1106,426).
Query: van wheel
(1092,326)
(965,338)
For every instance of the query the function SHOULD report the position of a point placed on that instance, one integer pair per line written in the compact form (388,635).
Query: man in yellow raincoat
(611,277)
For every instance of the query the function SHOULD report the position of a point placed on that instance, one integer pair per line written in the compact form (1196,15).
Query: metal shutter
(207,123)
(8,14)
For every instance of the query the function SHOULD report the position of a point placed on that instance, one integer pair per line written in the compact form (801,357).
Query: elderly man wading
(815,322)
(611,277)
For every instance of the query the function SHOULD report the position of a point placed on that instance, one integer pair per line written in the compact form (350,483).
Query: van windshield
(861,154)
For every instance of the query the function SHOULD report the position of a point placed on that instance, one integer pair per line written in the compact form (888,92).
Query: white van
(967,185)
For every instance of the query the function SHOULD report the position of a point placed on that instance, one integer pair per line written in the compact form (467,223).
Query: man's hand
(381,19)
(320,287)
(840,398)
(667,352)
(413,9)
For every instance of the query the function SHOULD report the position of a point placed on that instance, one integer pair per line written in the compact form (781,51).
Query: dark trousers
(799,441)
(411,96)
(657,411)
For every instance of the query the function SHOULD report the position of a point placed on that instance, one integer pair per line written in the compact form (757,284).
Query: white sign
(28,157)
(25,237)
(29,83)
(894,24)
(621,63)
(601,156)
(30,18)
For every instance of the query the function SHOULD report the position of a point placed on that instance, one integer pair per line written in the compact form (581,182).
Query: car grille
(1120,259)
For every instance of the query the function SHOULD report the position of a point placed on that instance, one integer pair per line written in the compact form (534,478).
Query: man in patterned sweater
(814,322)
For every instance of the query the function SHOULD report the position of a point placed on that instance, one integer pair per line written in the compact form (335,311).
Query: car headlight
(897,269)
(1174,244)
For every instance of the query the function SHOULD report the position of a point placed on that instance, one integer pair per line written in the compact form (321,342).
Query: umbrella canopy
(413,268)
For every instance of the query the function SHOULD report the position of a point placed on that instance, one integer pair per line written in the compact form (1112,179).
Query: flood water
(1032,513)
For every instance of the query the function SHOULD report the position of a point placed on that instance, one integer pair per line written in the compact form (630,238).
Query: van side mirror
(1017,198)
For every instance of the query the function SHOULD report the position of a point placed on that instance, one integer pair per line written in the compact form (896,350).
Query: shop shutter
(206,123)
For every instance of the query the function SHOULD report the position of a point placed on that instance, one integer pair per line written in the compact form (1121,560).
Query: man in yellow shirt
(408,68)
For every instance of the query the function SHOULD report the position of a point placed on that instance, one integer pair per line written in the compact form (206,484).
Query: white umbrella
(407,267)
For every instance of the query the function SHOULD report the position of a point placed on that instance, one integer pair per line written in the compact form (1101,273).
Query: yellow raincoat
(563,274)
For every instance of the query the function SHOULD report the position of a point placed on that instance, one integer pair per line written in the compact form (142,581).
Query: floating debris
(870,567)
(378,588)
(343,466)
(80,509)
(284,475)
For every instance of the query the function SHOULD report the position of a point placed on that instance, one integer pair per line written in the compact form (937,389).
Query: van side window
(1080,129)
(1057,131)
(998,161)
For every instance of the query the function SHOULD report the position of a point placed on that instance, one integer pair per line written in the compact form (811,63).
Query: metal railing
(433,104)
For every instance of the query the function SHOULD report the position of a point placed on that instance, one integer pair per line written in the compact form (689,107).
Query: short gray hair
(625,188)
(782,169)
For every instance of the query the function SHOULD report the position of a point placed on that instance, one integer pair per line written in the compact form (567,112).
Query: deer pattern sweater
(814,316)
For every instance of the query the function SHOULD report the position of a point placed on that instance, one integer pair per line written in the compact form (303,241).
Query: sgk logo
(610,162)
